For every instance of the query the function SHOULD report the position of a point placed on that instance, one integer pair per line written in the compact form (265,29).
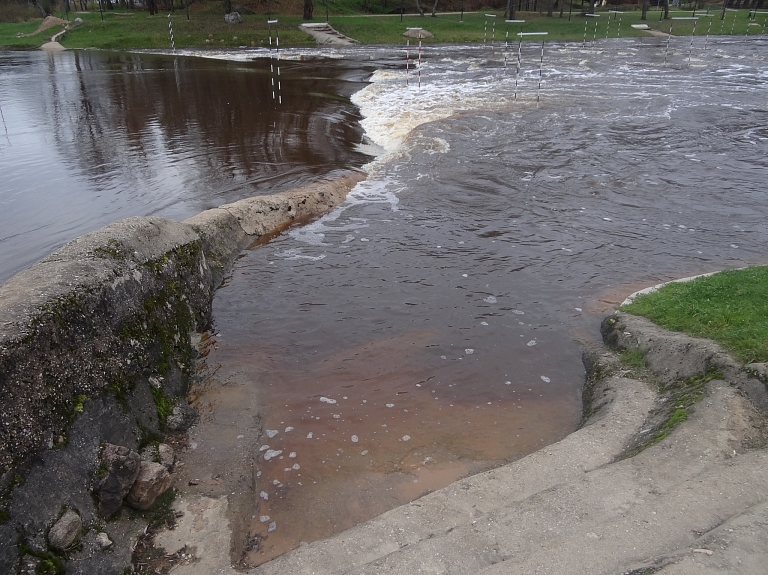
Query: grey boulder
(233,18)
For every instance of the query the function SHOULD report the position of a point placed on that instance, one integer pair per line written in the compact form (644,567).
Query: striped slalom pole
(519,59)
(586,24)
(272,75)
(690,50)
(408,53)
(419,74)
(407,59)
(666,51)
(170,30)
(506,40)
(493,28)
(277,51)
(541,60)
(608,27)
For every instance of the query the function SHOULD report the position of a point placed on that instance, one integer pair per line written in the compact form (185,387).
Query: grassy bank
(730,308)
(206,27)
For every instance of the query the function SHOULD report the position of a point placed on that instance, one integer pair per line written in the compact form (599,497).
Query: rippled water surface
(89,138)
(429,328)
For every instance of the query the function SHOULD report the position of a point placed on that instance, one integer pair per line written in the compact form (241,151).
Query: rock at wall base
(66,531)
(153,480)
(123,466)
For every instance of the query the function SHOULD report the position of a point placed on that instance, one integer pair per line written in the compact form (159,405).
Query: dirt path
(49,22)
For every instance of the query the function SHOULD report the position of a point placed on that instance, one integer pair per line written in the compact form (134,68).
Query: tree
(510,12)
(419,8)
(309,7)
(550,8)
(644,9)
(666,9)
(434,9)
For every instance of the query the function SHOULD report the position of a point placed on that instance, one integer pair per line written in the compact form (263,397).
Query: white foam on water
(272,453)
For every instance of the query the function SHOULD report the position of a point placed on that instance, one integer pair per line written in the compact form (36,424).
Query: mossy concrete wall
(96,342)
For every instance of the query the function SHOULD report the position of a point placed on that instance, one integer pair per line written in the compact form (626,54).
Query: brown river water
(433,326)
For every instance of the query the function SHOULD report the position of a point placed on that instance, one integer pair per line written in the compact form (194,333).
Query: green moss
(79,401)
(147,436)
(163,404)
(50,564)
(114,249)
(680,396)
(633,358)
(161,512)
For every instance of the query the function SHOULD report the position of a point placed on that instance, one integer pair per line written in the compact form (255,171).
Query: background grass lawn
(206,27)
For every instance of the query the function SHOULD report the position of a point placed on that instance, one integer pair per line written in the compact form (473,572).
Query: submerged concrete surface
(694,502)
(95,340)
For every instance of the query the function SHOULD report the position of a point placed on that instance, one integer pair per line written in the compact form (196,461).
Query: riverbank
(97,348)
(643,490)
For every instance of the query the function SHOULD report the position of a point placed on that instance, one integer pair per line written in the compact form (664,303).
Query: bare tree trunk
(309,7)
(550,8)
(510,13)
(591,7)
(434,9)
(40,7)
(666,9)
(419,8)
(644,9)
(227,6)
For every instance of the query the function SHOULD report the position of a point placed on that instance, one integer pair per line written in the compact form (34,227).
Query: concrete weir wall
(96,345)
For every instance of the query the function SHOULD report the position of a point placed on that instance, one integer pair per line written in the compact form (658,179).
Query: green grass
(207,29)
(730,308)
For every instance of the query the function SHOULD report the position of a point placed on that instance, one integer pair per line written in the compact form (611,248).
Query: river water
(433,325)
(89,138)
